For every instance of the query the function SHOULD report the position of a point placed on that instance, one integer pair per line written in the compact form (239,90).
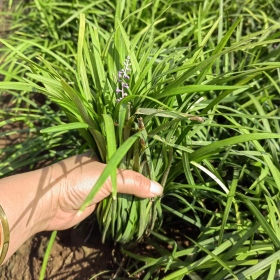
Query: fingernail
(79,214)
(156,188)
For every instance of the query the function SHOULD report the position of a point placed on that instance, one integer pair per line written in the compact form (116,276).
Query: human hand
(50,198)
(72,181)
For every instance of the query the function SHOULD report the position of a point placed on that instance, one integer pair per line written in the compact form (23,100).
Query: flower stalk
(123,76)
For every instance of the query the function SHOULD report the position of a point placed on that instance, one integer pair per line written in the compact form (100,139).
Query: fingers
(128,181)
(131,182)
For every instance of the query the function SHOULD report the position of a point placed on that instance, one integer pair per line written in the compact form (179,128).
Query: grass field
(203,97)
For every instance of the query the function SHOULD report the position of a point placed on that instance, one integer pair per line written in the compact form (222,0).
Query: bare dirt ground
(71,258)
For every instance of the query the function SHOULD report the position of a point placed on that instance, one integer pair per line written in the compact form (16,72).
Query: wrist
(57,195)
(24,201)
(51,179)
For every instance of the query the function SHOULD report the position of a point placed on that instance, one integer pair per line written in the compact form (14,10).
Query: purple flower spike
(122,76)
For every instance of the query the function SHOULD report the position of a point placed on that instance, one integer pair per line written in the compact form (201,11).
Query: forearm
(23,197)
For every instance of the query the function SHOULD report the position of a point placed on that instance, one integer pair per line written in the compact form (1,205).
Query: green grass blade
(258,267)
(266,226)
(204,152)
(64,127)
(47,255)
(111,149)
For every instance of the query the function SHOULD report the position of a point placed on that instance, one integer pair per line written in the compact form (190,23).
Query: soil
(71,257)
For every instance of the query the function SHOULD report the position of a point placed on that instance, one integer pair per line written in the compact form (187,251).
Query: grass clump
(191,100)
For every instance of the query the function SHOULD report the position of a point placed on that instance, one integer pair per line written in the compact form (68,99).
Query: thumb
(131,182)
